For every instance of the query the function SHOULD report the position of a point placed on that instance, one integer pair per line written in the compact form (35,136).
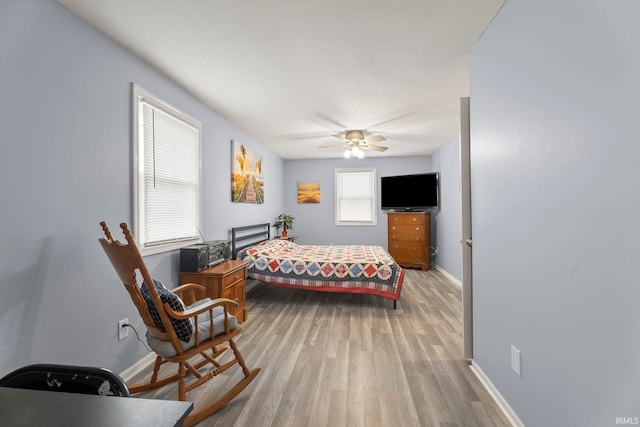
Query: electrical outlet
(123,331)
(515,360)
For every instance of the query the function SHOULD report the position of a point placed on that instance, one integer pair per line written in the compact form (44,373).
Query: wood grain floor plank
(351,360)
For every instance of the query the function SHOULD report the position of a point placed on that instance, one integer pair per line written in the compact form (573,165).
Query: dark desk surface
(29,408)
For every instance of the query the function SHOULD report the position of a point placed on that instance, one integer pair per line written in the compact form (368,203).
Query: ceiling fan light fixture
(354,143)
(353,152)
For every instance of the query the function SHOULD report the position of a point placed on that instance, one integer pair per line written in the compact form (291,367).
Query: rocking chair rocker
(177,333)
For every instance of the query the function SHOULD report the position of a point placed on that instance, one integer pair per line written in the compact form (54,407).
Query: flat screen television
(409,192)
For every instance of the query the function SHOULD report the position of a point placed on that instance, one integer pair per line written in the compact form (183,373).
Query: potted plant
(285,221)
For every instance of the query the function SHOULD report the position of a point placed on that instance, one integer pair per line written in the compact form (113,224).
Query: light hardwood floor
(351,360)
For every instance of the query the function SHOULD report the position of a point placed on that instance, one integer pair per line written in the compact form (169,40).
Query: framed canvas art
(308,192)
(247,183)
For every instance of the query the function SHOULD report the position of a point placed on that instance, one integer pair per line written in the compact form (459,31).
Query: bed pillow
(267,247)
(276,243)
(184,328)
(275,246)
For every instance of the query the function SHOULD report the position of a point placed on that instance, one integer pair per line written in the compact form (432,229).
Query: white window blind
(168,205)
(355,196)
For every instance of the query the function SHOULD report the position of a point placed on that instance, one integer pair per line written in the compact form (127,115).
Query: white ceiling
(291,73)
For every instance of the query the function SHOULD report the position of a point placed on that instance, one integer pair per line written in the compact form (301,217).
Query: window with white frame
(356,196)
(167,182)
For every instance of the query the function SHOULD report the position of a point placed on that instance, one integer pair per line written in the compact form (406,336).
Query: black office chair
(70,379)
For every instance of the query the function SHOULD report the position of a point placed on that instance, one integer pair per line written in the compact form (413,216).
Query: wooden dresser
(225,280)
(409,238)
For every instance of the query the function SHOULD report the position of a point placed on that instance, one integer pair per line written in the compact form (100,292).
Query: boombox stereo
(204,255)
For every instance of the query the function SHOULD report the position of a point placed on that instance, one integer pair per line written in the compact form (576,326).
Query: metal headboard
(243,237)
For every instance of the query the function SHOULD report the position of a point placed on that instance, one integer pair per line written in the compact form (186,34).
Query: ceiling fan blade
(341,138)
(298,137)
(332,121)
(374,147)
(335,145)
(375,138)
(393,119)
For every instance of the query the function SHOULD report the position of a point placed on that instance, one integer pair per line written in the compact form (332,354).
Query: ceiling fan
(354,142)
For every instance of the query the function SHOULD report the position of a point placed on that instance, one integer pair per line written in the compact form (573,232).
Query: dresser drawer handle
(414,219)
(417,228)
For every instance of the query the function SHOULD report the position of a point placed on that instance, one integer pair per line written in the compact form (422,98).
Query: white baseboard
(449,276)
(500,400)
(134,369)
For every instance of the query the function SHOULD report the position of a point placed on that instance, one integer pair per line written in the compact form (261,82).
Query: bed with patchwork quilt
(353,268)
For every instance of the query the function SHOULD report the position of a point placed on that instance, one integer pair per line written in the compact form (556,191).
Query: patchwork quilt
(354,268)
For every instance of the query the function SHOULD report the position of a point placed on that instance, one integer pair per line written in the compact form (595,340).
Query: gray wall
(315,223)
(555,107)
(65,165)
(449,217)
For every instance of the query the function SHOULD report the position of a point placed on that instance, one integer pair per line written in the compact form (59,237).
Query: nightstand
(225,280)
(289,238)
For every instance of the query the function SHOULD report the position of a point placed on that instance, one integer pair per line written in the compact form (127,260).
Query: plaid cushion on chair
(183,328)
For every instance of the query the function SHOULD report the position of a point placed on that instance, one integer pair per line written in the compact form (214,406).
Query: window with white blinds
(167,175)
(356,196)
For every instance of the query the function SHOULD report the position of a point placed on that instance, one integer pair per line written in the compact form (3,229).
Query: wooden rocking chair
(211,326)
